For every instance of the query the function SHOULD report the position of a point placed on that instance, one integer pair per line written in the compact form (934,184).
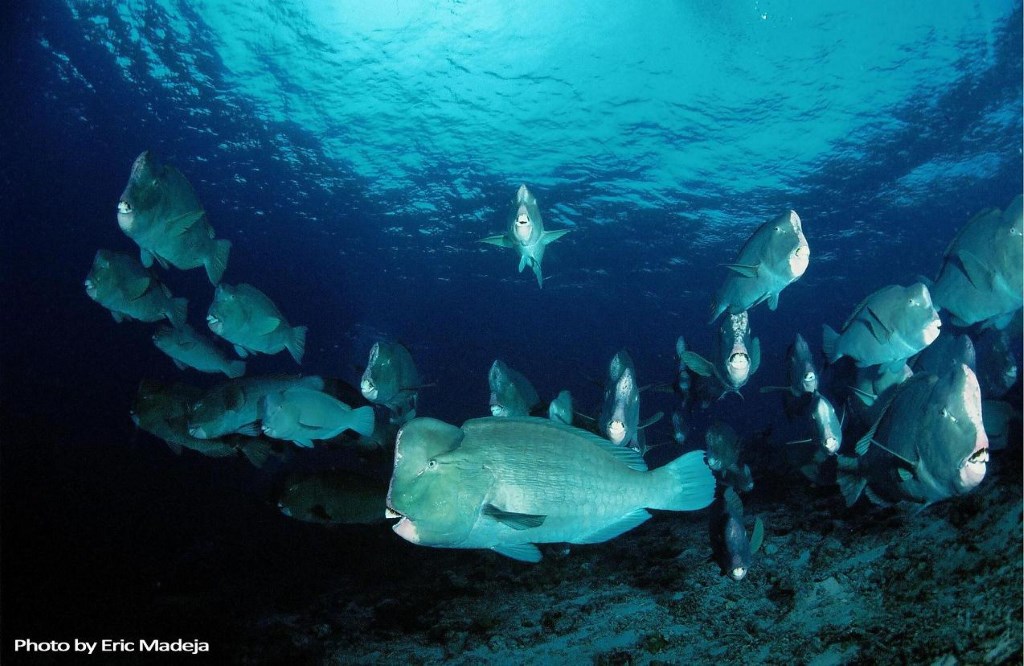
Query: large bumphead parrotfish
(161,213)
(244,316)
(731,549)
(512,394)
(162,410)
(234,406)
(776,255)
(188,349)
(509,483)
(333,497)
(118,282)
(526,233)
(928,445)
(391,380)
(739,354)
(302,415)
(982,274)
(888,327)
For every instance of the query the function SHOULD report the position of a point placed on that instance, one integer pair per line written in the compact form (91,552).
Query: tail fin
(829,342)
(217,262)
(851,484)
(178,313)
(296,344)
(688,481)
(257,451)
(362,420)
(234,369)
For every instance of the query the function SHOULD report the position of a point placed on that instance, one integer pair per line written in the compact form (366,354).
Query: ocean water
(355,153)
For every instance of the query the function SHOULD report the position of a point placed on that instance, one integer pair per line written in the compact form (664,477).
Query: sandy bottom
(831,586)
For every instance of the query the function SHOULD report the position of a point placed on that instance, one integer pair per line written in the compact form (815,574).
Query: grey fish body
(947,352)
(827,431)
(118,282)
(245,317)
(508,483)
(982,275)
(161,213)
(189,349)
(997,366)
(731,549)
(928,445)
(620,411)
(233,406)
(888,327)
(333,497)
(774,256)
(512,394)
(739,354)
(723,446)
(163,410)
(302,415)
(526,233)
(561,409)
(803,375)
(872,388)
(391,379)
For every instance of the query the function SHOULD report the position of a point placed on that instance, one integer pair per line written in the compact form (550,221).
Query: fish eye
(947,414)
(432,464)
(124,207)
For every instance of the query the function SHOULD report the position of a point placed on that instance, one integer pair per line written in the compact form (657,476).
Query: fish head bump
(427,490)
(957,449)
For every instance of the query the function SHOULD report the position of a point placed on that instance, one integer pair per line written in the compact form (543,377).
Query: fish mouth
(497,410)
(738,573)
(368,389)
(972,470)
(214,323)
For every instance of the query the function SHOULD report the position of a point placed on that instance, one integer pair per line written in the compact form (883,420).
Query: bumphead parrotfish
(888,327)
(512,394)
(525,233)
(161,213)
(982,274)
(391,379)
(509,483)
(774,256)
(188,349)
(118,282)
(928,445)
(244,316)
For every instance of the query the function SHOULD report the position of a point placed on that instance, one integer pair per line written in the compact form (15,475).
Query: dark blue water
(355,157)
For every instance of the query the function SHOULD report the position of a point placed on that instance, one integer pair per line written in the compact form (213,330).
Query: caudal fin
(178,314)
(296,344)
(830,343)
(362,421)
(217,262)
(256,451)
(688,481)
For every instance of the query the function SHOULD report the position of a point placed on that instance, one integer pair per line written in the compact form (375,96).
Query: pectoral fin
(552,236)
(876,324)
(698,364)
(267,325)
(757,537)
(755,355)
(974,269)
(500,240)
(524,552)
(650,421)
(744,269)
(517,521)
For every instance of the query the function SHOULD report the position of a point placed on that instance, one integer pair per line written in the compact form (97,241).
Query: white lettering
(84,646)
